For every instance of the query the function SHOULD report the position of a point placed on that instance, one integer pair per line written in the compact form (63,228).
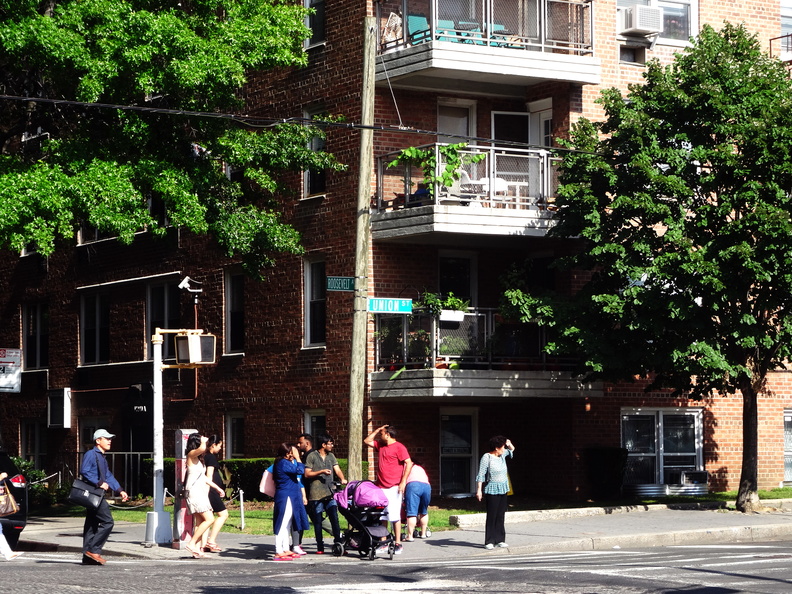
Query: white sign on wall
(10,370)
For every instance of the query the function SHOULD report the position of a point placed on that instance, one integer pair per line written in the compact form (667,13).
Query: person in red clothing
(393,468)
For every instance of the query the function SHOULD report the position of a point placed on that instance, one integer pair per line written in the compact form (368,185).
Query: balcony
(505,192)
(489,47)
(479,356)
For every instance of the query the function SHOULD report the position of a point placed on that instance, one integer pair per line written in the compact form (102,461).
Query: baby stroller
(364,504)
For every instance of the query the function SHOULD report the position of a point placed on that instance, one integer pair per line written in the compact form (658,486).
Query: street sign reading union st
(340,283)
(380,305)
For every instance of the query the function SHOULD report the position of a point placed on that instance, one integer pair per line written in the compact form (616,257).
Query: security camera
(185,284)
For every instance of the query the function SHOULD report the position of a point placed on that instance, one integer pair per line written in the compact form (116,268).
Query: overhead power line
(263,122)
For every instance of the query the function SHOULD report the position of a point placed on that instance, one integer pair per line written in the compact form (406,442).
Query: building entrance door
(457,461)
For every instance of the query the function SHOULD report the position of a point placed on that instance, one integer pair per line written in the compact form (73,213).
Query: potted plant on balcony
(447,309)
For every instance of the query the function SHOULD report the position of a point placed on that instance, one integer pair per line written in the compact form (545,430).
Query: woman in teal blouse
(492,483)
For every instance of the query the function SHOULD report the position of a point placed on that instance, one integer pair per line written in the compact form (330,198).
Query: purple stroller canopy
(362,494)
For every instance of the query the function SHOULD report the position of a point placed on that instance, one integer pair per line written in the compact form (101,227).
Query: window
(458,274)
(316,22)
(457,119)
(315,303)
(315,179)
(88,425)
(677,20)
(662,443)
(234,312)
(158,210)
(35,329)
(315,423)
(34,442)
(163,312)
(89,234)
(786,17)
(95,329)
(632,54)
(235,435)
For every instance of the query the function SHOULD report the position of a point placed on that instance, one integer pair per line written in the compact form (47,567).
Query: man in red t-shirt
(393,468)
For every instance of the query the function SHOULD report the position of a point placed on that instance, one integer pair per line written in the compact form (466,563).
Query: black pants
(315,509)
(495,529)
(97,529)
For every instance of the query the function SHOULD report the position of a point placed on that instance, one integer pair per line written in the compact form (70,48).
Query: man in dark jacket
(98,522)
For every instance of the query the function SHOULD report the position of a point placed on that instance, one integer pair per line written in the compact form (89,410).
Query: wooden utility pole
(357,370)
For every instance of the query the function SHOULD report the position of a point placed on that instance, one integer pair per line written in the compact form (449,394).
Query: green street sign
(340,283)
(380,305)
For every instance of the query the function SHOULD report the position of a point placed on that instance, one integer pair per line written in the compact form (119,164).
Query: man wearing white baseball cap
(98,522)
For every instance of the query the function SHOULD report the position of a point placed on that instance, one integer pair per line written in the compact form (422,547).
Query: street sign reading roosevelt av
(340,283)
(381,305)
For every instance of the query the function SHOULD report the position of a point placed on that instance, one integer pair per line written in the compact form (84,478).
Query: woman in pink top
(417,495)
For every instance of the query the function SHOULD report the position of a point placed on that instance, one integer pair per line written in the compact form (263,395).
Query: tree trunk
(747,496)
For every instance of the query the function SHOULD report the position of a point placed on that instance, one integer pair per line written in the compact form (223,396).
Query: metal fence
(489,177)
(479,339)
(132,469)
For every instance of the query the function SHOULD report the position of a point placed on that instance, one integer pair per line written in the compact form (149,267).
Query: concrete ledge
(474,520)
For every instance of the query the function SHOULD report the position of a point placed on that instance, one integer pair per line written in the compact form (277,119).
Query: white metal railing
(564,26)
(479,340)
(781,47)
(499,177)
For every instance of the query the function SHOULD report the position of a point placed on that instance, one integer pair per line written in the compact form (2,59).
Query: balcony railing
(781,48)
(523,179)
(560,26)
(478,341)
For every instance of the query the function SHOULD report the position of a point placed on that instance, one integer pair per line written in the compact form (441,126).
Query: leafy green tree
(680,201)
(175,65)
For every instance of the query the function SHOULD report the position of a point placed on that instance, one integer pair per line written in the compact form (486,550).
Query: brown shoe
(96,557)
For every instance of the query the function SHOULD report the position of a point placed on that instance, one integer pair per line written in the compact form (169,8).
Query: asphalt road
(756,568)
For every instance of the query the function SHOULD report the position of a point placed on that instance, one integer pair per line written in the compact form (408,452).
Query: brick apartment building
(510,76)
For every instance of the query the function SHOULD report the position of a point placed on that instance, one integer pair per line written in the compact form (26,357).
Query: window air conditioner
(640,20)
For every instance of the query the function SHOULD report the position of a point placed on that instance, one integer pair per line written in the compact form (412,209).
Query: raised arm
(369,441)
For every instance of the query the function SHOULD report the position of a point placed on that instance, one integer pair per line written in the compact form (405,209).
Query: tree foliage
(681,203)
(64,165)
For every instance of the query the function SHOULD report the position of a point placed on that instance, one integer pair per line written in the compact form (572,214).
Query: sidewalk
(543,531)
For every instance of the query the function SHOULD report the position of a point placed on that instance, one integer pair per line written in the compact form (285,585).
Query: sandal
(194,553)
(282,558)
(211,547)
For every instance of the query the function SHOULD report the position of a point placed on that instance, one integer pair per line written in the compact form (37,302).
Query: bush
(40,494)
(239,473)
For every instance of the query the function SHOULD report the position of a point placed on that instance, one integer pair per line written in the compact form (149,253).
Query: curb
(477,520)
(744,534)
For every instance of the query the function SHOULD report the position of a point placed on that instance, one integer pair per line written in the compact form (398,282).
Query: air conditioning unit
(640,20)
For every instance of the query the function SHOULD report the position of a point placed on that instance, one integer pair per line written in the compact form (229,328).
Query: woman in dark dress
(213,447)
(289,511)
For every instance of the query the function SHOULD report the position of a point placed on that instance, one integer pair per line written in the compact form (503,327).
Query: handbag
(8,504)
(85,494)
(267,484)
